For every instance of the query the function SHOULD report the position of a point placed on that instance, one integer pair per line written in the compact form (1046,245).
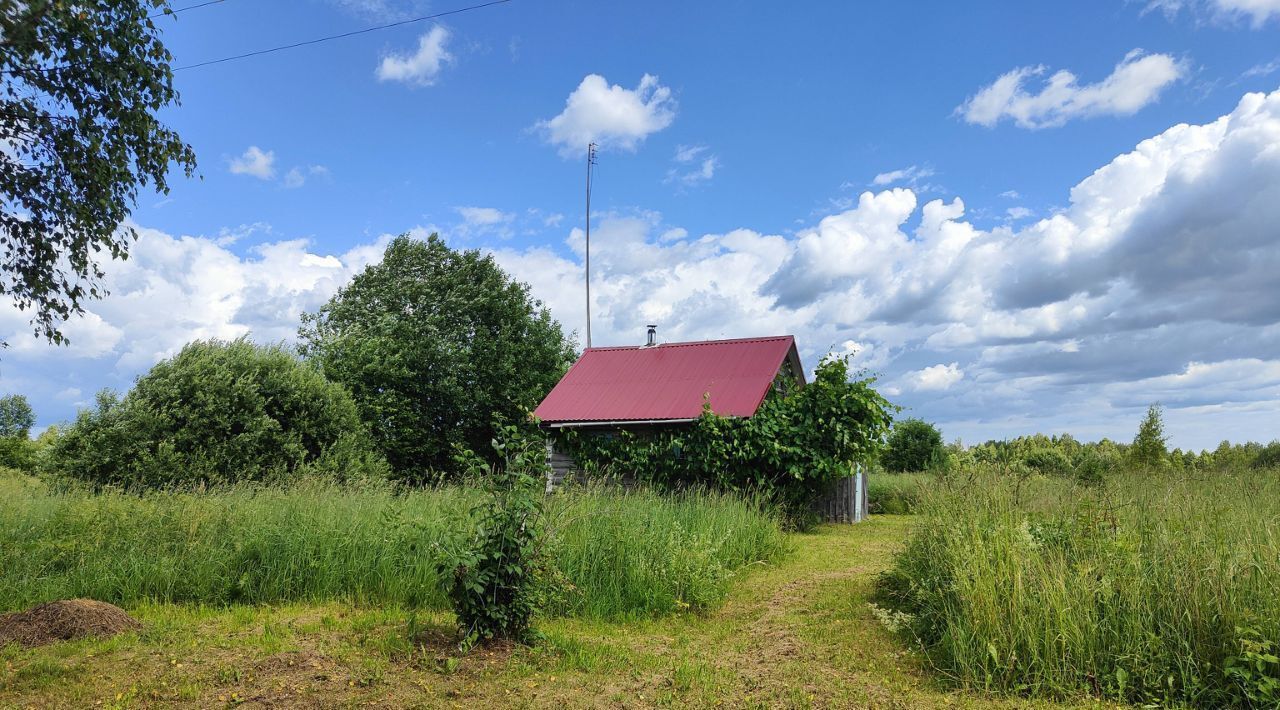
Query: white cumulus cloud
(421,67)
(1137,81)
(936,377)
(256,162)
(611,116)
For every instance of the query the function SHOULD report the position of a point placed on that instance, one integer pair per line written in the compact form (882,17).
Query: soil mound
(64,620)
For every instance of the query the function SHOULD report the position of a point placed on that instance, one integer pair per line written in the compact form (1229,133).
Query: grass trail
(795,634)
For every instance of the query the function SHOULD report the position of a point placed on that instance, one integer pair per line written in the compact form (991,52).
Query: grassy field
(623,554)
(896,493)
(1152,588)
(795,633)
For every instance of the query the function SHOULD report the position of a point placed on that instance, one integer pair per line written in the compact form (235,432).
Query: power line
(352,33)
(282,47)
(166,13)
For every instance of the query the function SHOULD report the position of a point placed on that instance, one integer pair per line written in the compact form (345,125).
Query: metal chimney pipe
(653,336)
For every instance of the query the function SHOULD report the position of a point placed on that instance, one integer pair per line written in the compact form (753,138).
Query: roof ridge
(694,343)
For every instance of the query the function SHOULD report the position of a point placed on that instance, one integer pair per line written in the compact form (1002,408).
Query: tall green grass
(1151,588)
(641,553)
(896,493)
(621,554)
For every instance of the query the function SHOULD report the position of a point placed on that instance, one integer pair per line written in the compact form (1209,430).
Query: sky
(1019,217)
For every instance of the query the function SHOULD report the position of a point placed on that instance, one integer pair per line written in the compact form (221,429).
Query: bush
(791,451)
(1047,461)
(218,412)
(1160,595)
(435,345)
(914,445)
(493,577)
(1268,457)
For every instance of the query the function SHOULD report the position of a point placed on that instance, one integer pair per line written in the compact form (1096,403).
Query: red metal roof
(667,381)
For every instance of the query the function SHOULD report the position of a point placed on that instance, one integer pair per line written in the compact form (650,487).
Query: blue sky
(909,184)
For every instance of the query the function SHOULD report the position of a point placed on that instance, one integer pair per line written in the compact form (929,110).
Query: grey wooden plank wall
(847,502)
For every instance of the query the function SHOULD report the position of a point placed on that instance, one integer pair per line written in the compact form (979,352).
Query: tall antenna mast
(591,160)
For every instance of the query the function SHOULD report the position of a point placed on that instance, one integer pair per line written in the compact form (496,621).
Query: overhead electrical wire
(166,13)
(283,47)
(342,35)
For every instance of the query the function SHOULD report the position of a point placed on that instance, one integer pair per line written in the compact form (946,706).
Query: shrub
(914,445)
(791,451)
(435,345)
(493,577)
(1268,457)
(1047,461)
(218,412)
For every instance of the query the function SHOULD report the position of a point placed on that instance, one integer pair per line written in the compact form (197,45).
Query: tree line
(917,445)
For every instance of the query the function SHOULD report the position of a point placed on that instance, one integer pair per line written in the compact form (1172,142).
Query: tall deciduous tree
(436,345)
(81,85)
(1148,448)
(16,420)
(16,416)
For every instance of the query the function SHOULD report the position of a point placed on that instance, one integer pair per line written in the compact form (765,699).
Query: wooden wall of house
(560,465)
(847,500)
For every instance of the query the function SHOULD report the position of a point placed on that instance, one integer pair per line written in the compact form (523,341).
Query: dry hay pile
(64,620)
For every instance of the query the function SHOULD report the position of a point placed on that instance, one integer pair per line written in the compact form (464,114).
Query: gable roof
(667,382)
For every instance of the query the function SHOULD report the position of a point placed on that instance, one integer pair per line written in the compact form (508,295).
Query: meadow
(618,554)
(896,493)
(1153,588)
(1149,587)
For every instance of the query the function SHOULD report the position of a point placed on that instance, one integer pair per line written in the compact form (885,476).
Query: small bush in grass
(492,577)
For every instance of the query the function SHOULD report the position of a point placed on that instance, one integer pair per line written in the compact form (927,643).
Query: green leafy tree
(218,412)
(436,345)
(16,419)
(82,84)
(1148,449)
(16,416)
(914,445)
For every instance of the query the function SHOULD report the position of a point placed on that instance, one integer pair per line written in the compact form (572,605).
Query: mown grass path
(796,634)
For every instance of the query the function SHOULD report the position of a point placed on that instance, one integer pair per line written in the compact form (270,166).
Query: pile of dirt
(64,620)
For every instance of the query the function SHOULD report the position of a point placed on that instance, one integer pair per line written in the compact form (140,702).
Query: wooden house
(661,385)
